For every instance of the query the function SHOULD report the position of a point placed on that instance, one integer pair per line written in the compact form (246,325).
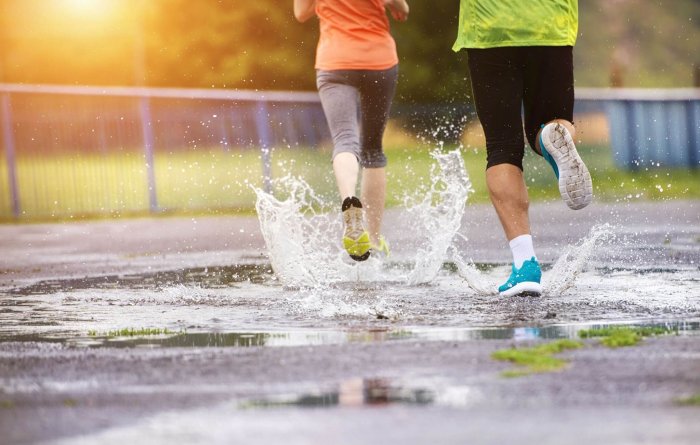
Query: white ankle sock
(522,249)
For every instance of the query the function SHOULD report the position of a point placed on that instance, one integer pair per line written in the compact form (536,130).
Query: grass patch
(536,359)
(7,404)
(131,332)
(621,336)
(216,181)
(693,400)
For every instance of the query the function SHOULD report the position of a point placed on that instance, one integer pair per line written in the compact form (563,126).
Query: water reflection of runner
(521,58)
(356,74)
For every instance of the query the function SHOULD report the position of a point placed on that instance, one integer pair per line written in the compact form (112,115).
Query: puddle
(354,393)
(225,305)
(337,337)
(205,277)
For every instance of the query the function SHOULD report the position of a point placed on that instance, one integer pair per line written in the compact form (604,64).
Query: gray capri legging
(356,104)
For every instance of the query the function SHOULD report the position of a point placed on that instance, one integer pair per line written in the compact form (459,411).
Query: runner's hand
(398,8)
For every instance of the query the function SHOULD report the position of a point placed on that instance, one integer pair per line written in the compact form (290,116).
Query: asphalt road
(369,388)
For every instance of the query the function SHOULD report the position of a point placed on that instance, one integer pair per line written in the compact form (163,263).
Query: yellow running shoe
(382,249)
(355,239)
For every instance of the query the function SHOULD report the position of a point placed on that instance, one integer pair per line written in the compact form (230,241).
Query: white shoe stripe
(525,286)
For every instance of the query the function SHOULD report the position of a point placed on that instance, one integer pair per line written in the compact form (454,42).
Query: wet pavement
(242,357)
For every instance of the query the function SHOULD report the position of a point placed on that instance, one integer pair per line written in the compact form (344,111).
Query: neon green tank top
(494,23)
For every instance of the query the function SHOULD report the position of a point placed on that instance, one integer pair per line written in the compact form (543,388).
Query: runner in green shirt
(521,59)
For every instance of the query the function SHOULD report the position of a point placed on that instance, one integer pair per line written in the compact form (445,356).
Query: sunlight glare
(88,8)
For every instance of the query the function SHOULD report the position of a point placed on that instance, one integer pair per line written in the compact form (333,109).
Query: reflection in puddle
(353,392)
(330,337)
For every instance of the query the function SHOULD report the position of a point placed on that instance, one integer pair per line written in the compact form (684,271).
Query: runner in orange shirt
(356,74)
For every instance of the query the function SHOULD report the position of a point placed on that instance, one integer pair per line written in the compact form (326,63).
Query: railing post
(9,142)
(147,131)
(262,124)
(692,116)
(632,139)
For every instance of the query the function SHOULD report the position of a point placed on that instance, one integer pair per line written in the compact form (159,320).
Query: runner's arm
(304,9)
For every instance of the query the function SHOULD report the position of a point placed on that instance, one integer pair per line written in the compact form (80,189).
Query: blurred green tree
(262,46)
(430,70)
(256,45)
(259,45)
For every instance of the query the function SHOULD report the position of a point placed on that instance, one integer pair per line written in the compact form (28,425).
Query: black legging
(538,79)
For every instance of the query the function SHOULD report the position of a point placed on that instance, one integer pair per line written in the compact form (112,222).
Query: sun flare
(90,8)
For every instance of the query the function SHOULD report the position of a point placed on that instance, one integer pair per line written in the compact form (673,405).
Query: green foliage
(536,359)
(656,53)
(255,45)
(259,45)
(621,336)
(429,70)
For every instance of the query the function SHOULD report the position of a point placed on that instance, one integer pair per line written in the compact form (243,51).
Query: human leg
(346,169)
(374,196)
(509,197)
(497,88)
(548,104)
(376,94)
(496,85)
(340,101)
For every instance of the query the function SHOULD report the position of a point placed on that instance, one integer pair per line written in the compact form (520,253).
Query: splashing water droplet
(572,262)
(302,231)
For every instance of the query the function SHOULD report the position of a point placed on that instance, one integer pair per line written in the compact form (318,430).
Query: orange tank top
(354,36)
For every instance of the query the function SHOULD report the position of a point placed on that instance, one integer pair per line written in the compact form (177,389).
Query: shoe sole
(358,248)
(524,289)
(575,185)
(362,257)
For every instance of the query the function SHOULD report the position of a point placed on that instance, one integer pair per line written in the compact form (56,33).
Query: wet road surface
(249,359)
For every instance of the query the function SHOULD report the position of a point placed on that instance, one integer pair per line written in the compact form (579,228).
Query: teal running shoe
(524,281)
(558,148)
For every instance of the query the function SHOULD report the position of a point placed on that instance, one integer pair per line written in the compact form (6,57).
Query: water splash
(355,303)
(301,231)
(476,280)
(438,214)
(574,259)
(556,281)
(294,231)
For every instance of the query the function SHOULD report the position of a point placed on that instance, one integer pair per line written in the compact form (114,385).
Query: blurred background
(129,107)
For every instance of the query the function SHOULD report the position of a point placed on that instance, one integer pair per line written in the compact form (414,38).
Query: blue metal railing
(43,121)
(140,128)
(651,127)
